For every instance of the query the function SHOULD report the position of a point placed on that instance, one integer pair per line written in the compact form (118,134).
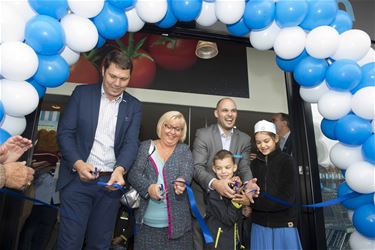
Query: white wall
(266,84)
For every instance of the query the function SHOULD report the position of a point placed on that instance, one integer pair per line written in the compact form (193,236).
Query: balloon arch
(333,64)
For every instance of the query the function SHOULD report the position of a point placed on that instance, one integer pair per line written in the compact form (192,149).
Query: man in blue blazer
(98,139)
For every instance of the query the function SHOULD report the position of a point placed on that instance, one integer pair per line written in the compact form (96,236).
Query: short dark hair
(222,154)
(119,58)
(284,117)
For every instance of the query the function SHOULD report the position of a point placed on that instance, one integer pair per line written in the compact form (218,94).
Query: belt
(102,174)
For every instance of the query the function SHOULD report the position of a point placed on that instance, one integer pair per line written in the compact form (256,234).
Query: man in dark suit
(208,141)
(98,139)
(281,121)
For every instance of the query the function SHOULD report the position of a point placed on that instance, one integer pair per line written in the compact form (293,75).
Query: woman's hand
(154,192)
(179,186)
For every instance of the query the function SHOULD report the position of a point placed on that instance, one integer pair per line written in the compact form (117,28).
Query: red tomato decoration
(84,71)
(171,53)
(144,70)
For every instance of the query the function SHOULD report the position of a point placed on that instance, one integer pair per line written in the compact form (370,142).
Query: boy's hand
(246,211)
(238,180)
(241,199)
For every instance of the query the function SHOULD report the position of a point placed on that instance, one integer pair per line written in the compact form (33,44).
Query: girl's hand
(179,186)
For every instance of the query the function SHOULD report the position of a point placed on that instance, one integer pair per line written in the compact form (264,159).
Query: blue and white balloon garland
(333,64)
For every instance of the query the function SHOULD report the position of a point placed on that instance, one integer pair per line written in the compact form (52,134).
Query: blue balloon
(310,71)
(101,42)
(239,28)
(368,149)
(259,14)
(186,10)
(290,13)
(52,71)
(2,113)
(328,128)
(169,20)
(290,65)
(368,77)
(320,12)
(343,75)
(353,130)
(343,22)
(122,4)
(364,220)
(45,35)
(353,203)
(4,135)
(39,88)
(111,22)
(53,8)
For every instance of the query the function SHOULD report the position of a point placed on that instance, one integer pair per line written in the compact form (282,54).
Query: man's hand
(179,186)
(84,170)
(117,177)
(252,189)
(13,148)
(222,187)
(18,175)
(252,156)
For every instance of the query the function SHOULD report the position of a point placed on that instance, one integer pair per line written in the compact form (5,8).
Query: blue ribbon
(193,204)
(239,156)
(316,205)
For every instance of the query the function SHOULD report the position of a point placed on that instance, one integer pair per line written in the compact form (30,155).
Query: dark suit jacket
(288,146)
(77,129)
(206,144)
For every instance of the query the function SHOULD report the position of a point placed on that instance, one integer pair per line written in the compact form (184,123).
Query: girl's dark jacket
(277,175)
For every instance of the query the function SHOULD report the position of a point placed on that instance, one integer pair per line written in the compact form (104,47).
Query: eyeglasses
(171,128)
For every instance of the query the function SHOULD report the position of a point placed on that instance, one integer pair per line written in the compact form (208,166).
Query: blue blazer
(77,129)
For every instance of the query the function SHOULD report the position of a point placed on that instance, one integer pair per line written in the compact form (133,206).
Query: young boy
(224,216)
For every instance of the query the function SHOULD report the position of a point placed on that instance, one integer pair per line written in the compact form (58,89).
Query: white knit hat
(264,126)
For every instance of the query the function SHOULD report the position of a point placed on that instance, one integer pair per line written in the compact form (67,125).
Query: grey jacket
(143,174)
(206,144)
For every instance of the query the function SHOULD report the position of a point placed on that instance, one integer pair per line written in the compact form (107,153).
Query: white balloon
(333,104)
(369,57)
(353,45)
(12,25)
(151,11)
(18,61)
(322,42)
(290,42)
(313,94)
(229,11)
(86,8)
(343,156)
(135,23)
(22,8)
(70,56)
(14,125)
(363,103)
(360,177)
(350,215)
(359,242)
(264,39)
(19,98)
(80,33)
(207,17)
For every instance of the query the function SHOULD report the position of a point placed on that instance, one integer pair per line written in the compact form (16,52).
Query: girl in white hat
(274,224)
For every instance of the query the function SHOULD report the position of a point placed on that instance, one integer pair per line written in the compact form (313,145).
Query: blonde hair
(172,115)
